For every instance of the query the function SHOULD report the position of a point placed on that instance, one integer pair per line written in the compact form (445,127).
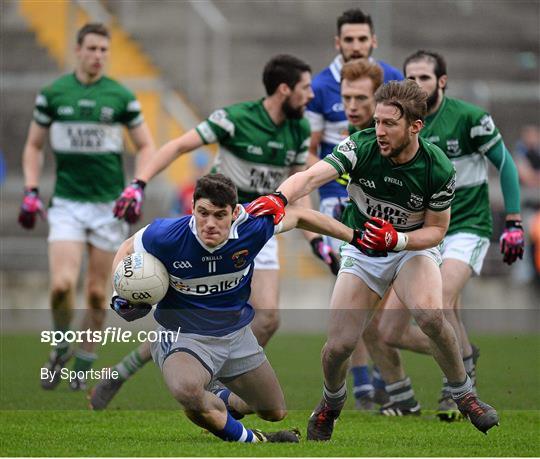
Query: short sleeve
(42,112)
(443,196)
(138,245)
(132,116)
(217,127)
(344,156)
(483,133)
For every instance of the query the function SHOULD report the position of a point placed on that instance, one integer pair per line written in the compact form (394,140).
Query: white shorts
(223,356)
(379,272)
(268,256)
(466,247)
(86,222)
(333,207)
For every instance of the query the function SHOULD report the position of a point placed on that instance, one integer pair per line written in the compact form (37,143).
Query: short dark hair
(354,16)
(406,96)
(218,189)
(439,64)
(92,27)
(283,68)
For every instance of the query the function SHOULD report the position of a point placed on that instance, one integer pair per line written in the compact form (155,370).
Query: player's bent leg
(261,391)
(265,300)
(186,378)
(352,305)
(65,259)
(426,307)
(396,328)
(401,399)
(105,390)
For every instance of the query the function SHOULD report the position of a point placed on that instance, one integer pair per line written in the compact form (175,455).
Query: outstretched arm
(311,220)
(129,205)
(168,153)
(305,182)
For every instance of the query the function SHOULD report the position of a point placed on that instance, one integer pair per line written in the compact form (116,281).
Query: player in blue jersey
(210,259)
(329,125)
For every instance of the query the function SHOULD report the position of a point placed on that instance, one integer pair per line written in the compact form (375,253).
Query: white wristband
(402,240)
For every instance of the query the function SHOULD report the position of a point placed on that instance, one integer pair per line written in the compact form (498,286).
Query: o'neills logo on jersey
(209,285)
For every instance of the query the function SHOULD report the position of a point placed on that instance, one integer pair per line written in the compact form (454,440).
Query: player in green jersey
(469,137)
(84,112)
(359,81)
(401,188)
(260,144)
(360,78)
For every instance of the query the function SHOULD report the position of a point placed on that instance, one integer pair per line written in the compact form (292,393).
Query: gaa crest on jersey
(240,258)
(346,146)
(416,201)
(486,127)
(106,114)
(452,147)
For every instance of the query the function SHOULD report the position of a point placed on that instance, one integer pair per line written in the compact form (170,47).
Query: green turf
(145,421)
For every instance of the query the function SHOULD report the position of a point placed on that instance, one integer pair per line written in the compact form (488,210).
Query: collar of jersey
(431,118)
(336,65)
(80,83)
(233,232)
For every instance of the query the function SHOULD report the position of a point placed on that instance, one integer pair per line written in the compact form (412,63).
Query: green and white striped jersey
(86,135)
(253,151)
(398,193)
(465,133)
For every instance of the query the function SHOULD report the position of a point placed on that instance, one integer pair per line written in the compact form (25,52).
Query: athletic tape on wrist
(402,240)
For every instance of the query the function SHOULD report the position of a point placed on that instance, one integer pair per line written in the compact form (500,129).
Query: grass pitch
(144,420)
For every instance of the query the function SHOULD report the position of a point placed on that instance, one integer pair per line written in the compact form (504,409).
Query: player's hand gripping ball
(141,278)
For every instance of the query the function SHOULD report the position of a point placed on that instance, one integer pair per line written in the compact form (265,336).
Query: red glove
(357,242)
(271,204)
(512,242)
(382,236)
(30,208)
(128,205)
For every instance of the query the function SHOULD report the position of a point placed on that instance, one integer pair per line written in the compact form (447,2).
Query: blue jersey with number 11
(209,288)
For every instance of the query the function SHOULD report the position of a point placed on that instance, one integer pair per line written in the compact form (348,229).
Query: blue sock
(235,431)
(361,381)
(223,394)
(378,382)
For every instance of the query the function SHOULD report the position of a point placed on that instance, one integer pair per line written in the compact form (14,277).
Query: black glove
(357,237)
(129,311)
(325,253)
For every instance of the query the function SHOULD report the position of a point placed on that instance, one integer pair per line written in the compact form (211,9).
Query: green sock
(61,348)
(129,365)
(83,360)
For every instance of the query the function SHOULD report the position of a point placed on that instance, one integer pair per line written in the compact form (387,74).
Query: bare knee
(96,298)
(392,337)
(189,394)
(430,321)
(61,292)
(338,349)
(273,415)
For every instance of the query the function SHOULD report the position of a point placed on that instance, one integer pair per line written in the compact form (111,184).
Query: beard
(433,98)
(292,113)
(399,149)
(355,55)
